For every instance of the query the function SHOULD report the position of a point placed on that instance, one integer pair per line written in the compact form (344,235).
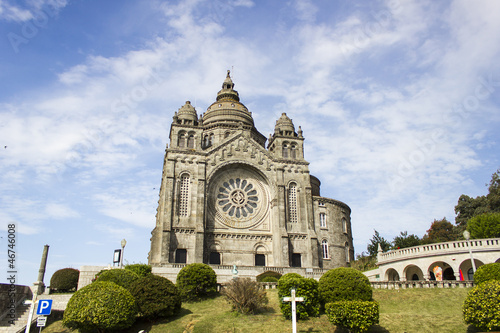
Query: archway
(392,275)
(466,269)
(440,271)
(413,273)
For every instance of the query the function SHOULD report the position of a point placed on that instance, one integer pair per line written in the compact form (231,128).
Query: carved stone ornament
(239,198)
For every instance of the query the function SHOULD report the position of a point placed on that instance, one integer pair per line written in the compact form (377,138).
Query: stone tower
(227,199)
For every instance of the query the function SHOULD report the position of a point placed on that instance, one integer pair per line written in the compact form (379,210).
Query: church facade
(230,196)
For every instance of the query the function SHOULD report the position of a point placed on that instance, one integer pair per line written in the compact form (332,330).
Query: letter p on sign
(44,307)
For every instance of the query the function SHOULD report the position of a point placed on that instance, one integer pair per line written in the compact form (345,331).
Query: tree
(405,240)
(375,241)
(485,226)
(468,207)
(440,231)
(493,196)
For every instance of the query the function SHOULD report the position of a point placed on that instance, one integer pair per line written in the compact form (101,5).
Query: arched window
(322,220)
(226,135)
(470,274)
(324,247)
(182,140)
(293,151)
(184,195)
(211,139)
(292,203)
(344,225)
(347,253)
(285,150)
(190,141)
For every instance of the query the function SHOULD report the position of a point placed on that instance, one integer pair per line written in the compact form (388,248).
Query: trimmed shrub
(142,270)
(123,278)
(245,295)
(100,306)
(482,306)
(64,280)
(269,279)
(356,316)
(261,277)
(156,297)
(344,284)
(307,288)
(196,281)
(487,272)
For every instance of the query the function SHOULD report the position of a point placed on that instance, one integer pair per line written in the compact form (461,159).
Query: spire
(228,93)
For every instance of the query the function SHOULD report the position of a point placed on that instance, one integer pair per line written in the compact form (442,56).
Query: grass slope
(410,310)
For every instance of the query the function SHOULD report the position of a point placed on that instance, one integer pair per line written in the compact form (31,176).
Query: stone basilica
(228,198)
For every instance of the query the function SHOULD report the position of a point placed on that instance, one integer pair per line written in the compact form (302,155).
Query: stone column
(39,285)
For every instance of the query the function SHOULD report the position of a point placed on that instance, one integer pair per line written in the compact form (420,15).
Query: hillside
(410,310)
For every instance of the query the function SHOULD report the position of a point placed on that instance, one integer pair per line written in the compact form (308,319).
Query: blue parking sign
(44,307)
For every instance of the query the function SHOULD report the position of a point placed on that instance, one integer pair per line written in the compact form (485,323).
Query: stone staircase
(22,312)
(59,302)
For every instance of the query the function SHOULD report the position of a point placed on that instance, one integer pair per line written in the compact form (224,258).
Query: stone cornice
(332,201)
(221,235)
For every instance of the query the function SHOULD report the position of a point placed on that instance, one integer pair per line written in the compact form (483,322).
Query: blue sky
(398,101)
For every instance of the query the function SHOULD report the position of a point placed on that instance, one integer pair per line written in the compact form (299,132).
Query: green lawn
(409,310)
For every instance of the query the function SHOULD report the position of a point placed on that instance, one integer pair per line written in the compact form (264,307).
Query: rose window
(237,198)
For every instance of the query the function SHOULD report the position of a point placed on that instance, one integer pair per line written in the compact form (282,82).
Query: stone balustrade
(476,245)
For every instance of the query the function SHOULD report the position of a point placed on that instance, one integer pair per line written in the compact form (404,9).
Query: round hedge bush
(100,306)
(156,297)
(142,270)
(269,279)
(195,281)
(64,280)
(344,284)
(266,274)
(121,277)
(356,316)
(307,288)
(487,272)
(482,306)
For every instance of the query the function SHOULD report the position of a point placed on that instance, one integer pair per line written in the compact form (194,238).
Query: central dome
(227,108)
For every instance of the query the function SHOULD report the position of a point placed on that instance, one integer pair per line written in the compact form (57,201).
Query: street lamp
(467,237)
(123,243)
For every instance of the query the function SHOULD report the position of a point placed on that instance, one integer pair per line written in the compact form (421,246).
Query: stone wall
(224,272)
(87,274)
(12,294)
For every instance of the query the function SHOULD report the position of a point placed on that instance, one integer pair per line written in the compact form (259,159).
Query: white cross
(294,300)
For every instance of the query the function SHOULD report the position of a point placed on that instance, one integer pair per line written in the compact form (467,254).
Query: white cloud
(305,9)
(375,92)
(13,13)
(59,211)
(37,10)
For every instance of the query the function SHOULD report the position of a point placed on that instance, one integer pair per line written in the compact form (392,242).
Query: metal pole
(39,286)
(30,315)
(471,258)
(123,243)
